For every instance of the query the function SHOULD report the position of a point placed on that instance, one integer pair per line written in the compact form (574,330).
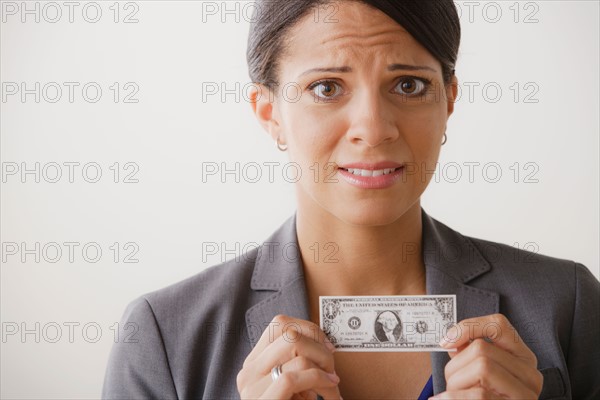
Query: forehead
(352,34)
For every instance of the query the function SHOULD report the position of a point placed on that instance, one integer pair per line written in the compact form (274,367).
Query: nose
(372,119)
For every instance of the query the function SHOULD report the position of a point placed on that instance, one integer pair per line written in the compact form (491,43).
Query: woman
(377,86)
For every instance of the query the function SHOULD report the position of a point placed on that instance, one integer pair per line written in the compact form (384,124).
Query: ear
(264,108)
(451,93)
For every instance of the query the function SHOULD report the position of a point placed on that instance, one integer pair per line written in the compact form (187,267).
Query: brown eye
(324,89)
(411,86)
(408,86)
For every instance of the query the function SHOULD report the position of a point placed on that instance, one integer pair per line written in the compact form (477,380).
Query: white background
(170,133)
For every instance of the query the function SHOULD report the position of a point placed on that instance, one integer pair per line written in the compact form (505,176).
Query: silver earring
(445,138)
(280,147)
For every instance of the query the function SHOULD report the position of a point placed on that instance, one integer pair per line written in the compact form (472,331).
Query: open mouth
(369,172)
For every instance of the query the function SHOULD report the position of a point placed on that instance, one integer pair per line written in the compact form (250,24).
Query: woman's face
(362,110)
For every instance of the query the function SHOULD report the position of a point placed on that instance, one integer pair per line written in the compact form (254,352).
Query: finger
(301,351)
(281,350)
(289,327)
(474,393)
(304,352)
(495,327)
(457,350)
(489,375)
(297,381)
(294,365)
(518,368)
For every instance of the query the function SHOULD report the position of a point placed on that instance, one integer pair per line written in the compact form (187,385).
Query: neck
(347,260)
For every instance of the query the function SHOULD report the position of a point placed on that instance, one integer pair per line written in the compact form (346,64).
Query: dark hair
(433,23)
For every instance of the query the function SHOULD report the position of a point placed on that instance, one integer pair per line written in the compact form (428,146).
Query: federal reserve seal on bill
(387,323)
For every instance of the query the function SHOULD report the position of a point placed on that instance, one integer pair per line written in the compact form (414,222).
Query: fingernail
(450,337)
(452,334)
(334,378)
(329,346)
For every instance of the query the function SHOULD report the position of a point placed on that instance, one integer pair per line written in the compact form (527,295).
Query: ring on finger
(276,371)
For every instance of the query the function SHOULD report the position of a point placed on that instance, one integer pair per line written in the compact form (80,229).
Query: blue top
(427,390)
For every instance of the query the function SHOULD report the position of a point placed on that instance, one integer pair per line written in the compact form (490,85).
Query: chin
(373,211)
(369,215)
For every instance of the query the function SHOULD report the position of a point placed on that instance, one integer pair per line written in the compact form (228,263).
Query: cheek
(312,136)
(423,132)
(424,146)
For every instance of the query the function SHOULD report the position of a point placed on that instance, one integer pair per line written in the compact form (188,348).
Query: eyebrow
(391,67)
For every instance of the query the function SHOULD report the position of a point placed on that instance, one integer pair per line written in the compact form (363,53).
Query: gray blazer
(189,340)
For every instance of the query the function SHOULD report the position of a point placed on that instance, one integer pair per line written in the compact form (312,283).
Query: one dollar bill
(387,323)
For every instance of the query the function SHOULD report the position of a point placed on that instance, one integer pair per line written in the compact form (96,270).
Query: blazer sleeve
(138,367)
(584,354)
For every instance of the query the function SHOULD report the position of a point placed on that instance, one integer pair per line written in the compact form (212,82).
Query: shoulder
(174,331)
(466,257)
(515,272)
(210,289)
(221,293)
(526,276)
(528,262)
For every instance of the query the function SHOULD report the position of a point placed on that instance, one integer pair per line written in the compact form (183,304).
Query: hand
(503,368)
(307,361)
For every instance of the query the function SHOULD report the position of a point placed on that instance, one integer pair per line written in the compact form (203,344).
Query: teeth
(368,172)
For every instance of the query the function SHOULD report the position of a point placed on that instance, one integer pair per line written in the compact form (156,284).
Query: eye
(412,86)
(324,90)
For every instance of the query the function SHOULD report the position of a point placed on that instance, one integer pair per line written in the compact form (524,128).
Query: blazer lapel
(278,280)
(451,260)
